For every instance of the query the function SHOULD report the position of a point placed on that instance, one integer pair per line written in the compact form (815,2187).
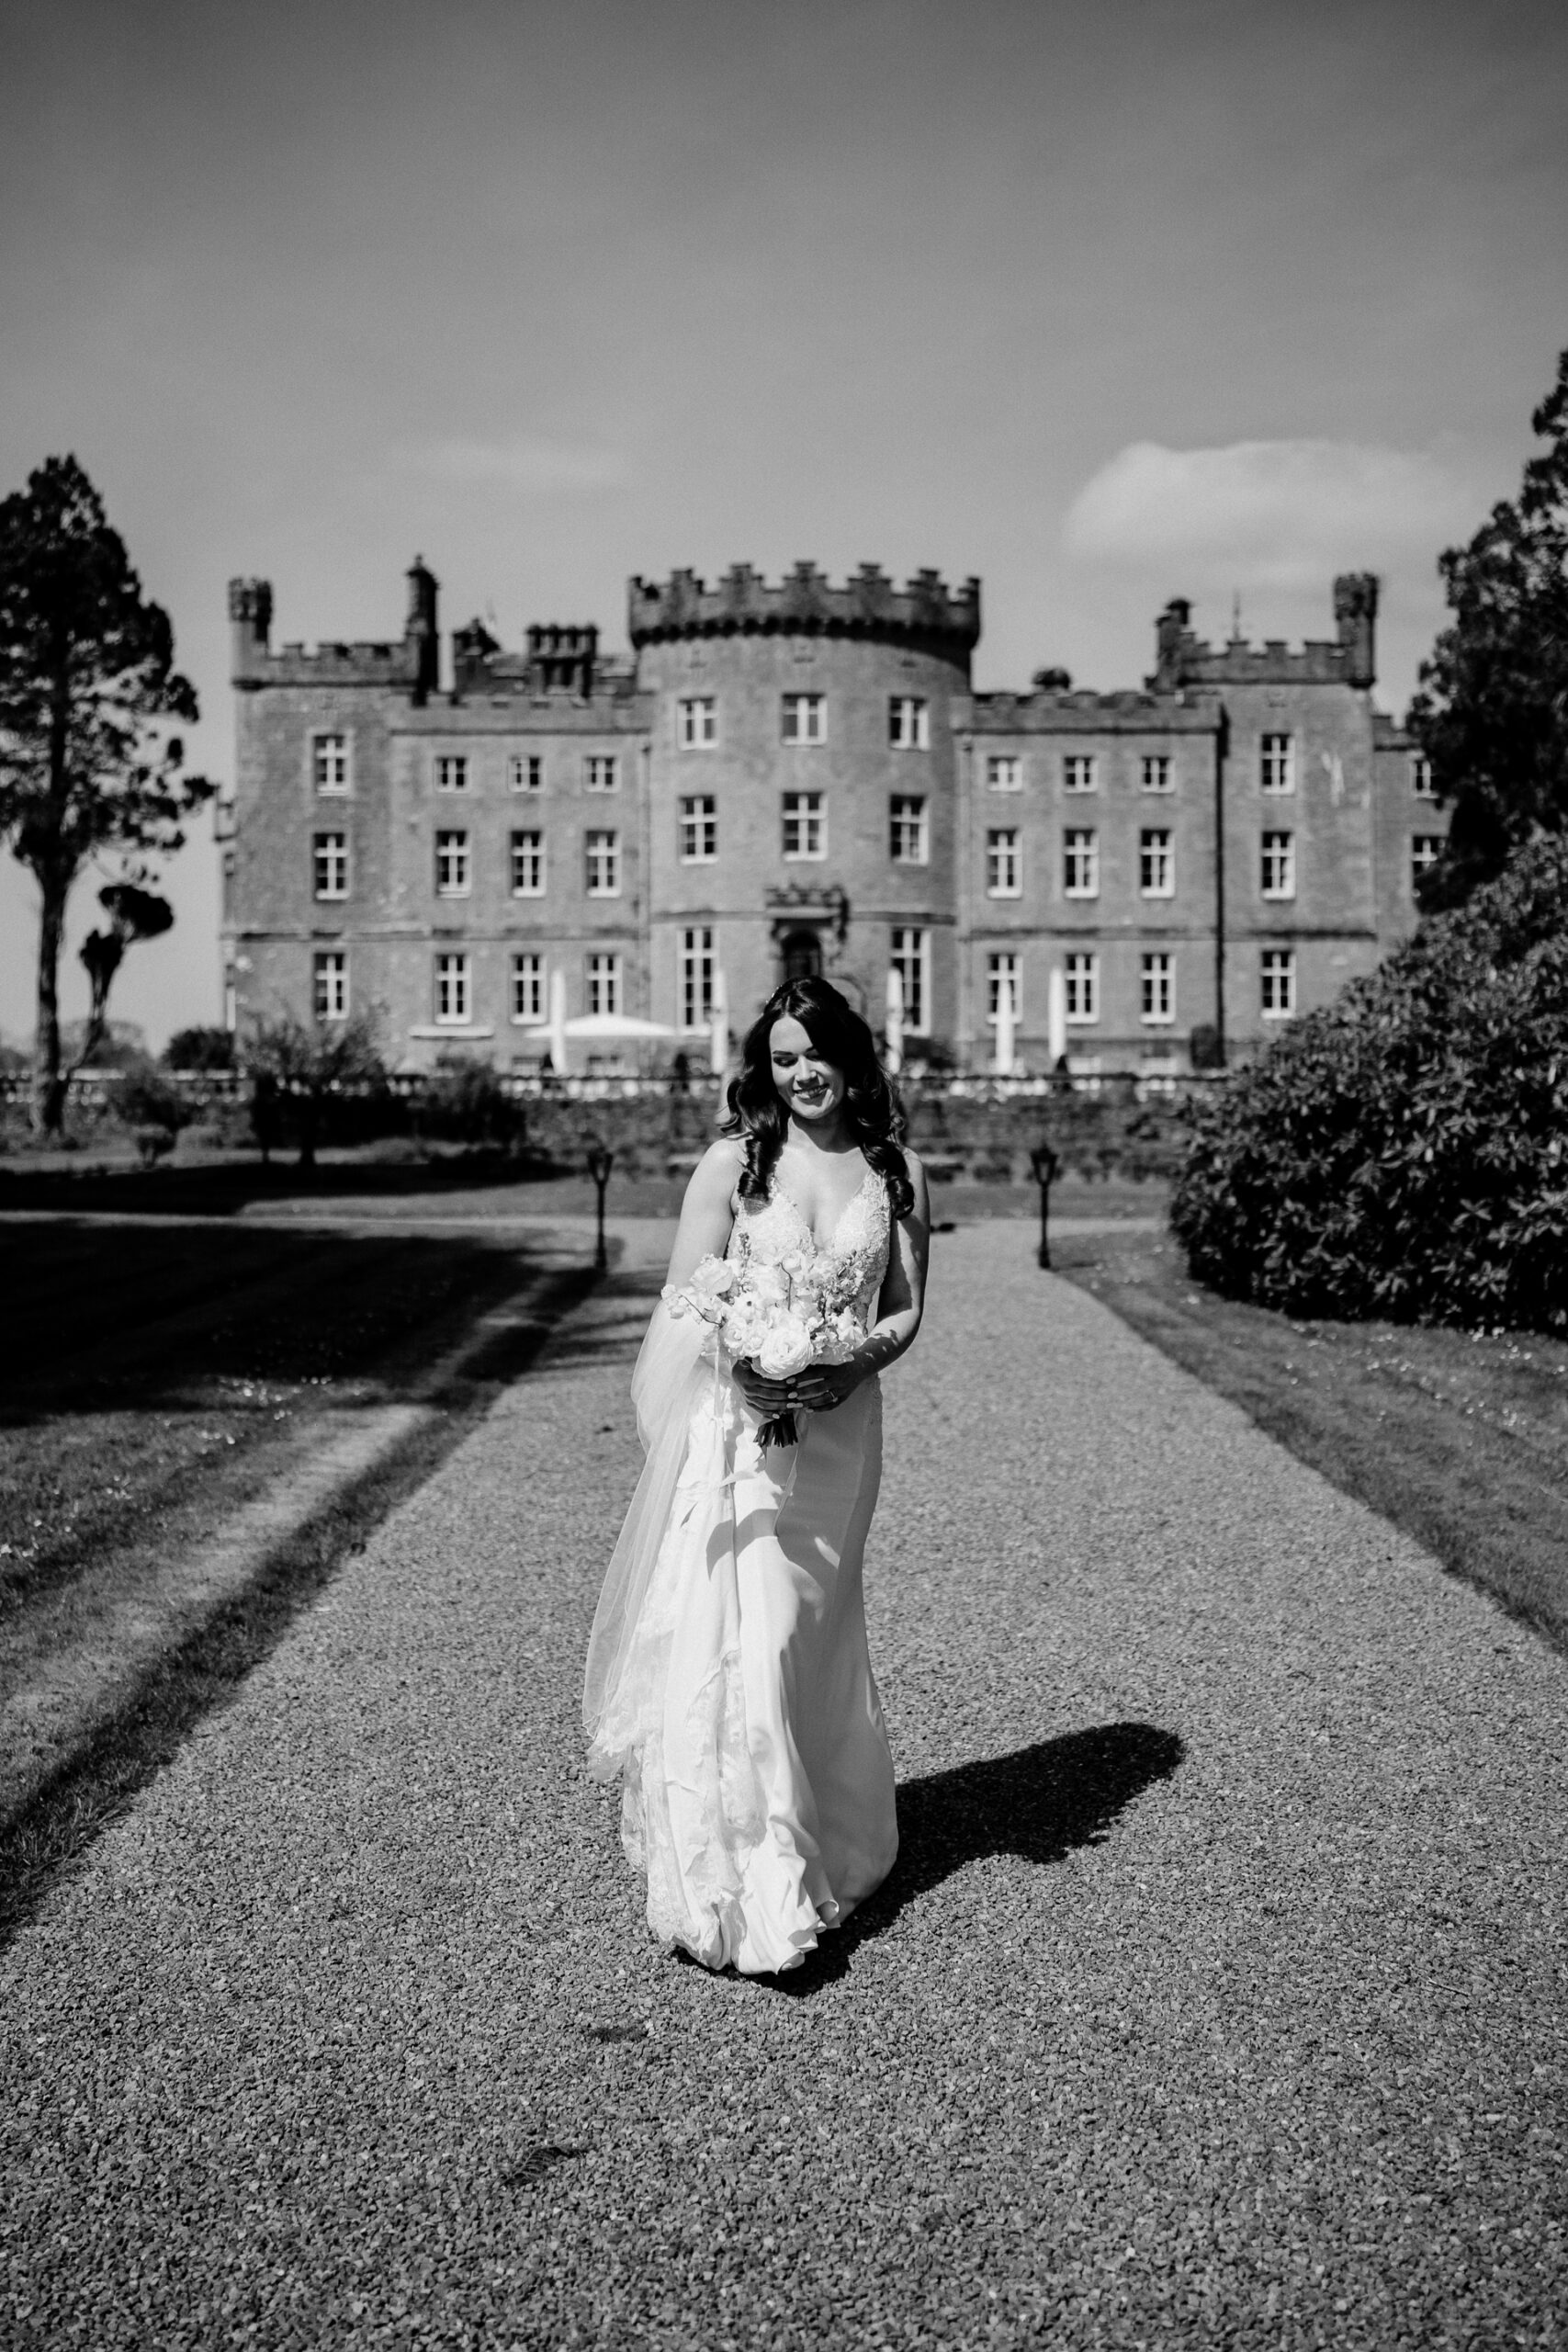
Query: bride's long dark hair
(871,1111)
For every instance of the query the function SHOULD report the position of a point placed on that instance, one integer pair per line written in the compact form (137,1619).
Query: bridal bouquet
(780,1316)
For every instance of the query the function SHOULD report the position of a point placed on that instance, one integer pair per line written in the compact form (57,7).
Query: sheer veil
(675,1363)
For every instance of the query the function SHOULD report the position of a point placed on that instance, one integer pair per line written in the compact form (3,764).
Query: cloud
(530,468)
(1268,514)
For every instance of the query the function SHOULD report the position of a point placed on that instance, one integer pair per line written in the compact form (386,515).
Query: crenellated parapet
(1349,659)
(406,666)
(925,613)
(1070,710)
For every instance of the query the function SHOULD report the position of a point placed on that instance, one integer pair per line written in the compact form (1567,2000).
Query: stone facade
(799,776)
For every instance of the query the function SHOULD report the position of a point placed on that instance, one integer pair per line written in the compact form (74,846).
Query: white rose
(768,1285)
(714,1279)
(785,1350)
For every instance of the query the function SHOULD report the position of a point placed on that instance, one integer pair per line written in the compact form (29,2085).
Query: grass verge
(150,1411)
(1460,1438)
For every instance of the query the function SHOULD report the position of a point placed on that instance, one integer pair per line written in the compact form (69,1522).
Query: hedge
(1403,1152)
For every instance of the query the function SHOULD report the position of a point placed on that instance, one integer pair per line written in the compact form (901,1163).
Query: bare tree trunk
(49,1084)
(55,872)
(103,952)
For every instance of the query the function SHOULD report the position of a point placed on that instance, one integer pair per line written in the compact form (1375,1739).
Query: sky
(1104,300)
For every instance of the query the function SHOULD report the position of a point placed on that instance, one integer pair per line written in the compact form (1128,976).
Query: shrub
(464,1102)
(1404,1151)
(153,1108)
(199,1049)
(299,1070)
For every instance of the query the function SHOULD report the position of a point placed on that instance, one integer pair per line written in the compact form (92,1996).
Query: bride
(728,1683)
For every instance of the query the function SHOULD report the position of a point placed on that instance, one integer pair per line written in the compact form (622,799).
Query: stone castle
(799,778)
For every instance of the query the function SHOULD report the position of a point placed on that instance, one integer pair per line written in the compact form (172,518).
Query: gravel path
(1219,1998)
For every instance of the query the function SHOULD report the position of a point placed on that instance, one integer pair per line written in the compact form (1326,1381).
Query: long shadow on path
(1039,1803)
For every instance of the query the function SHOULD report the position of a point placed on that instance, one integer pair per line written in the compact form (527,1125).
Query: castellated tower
(802,783)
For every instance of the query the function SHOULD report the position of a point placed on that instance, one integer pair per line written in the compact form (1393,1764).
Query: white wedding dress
(729,1679)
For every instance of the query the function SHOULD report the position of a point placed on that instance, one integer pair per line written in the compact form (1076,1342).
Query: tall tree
(90,702)
(1492,712)
(133,914)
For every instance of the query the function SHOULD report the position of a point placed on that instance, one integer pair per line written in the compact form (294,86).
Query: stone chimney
(420,634)
(1170,629)
(250,627)
(1355,618)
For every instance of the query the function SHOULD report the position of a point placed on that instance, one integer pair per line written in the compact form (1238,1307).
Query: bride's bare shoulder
(718,1171)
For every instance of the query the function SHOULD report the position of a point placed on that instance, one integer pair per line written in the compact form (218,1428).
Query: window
(804,718)
(601,772)
(528,988)
(697,978)
(804,825)
(452,772)
(328,762)
(699,829)
(909,723)
(528,865)
(1421,777)
(1278,865)
(906,825)
(908,960)
(1080,863)
(1277,976)
(697,723)
(332,866)
(1159,1001)
(1156,772)
(1081,973)
(525,772)
(452,865)
(1156,863)
(1004,773)
(1004,863)
(1424,851)
(453,988)
(1277,763)
(603,862)
(1078,772)
(332,985)
(1003,971)
(604,984)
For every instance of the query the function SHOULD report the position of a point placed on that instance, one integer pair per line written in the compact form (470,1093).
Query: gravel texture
(1218,1997)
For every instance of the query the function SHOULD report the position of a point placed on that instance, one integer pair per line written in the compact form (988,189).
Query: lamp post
(1044,1162)
(601,1159)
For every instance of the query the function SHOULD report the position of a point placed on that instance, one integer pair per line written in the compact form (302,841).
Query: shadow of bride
(1039,1803)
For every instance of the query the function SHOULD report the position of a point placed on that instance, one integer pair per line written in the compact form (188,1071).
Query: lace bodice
(770,1231)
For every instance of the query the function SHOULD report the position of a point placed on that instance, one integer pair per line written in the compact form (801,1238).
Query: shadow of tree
(1039,1803)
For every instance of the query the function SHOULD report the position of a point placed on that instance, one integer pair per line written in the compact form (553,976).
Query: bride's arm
(705,1214)
(899,1308)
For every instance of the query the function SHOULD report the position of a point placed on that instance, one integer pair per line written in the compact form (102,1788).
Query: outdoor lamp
(601,1159)
(1045,1163)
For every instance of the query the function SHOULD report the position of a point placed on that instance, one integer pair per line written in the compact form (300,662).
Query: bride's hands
(821,1386)
(817,1389)
(765,1397)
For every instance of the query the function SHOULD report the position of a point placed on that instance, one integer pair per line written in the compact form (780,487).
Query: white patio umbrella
(1056,1015)
(895,1021)
(614,1025)
(718,1032)
(1007,1016)
(557,1023)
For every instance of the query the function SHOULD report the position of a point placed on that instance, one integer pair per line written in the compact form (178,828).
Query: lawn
(1459,1438)
(161,1375)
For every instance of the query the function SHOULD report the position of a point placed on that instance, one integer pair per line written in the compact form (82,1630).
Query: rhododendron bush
(1404,1151)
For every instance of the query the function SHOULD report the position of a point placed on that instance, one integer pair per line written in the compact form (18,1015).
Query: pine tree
(90,701)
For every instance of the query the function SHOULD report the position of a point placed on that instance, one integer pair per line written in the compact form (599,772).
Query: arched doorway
(802,952)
